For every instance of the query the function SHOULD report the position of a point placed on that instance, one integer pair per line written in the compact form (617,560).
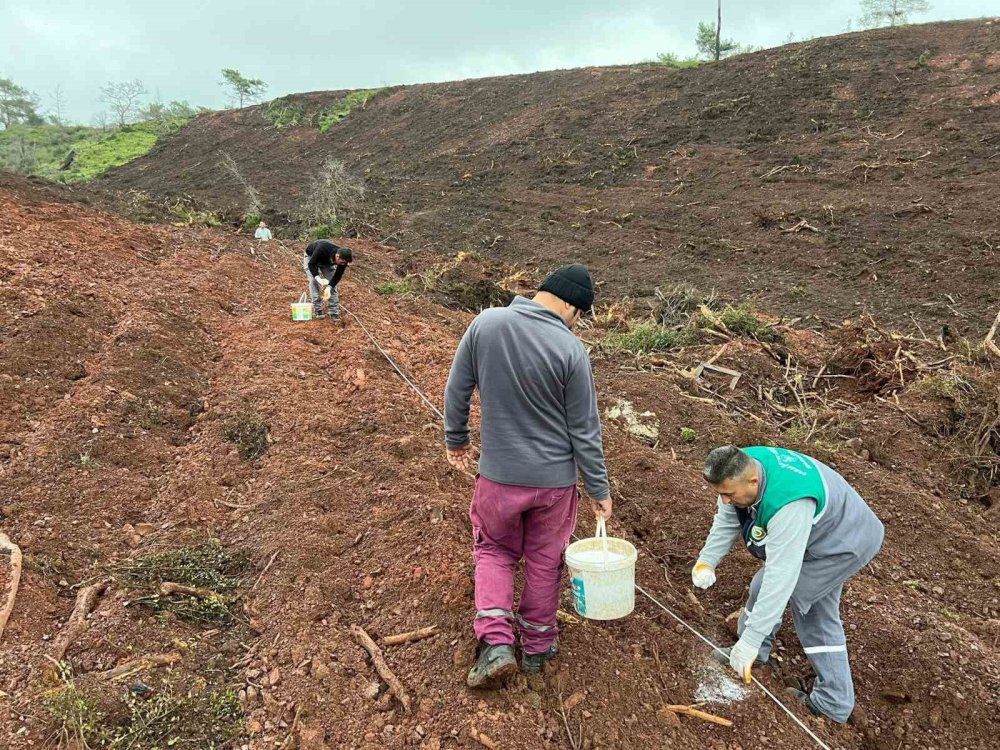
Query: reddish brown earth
(105,324)
(886,142)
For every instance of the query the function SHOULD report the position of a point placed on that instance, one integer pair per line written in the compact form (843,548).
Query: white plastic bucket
(602,572)
(302,310)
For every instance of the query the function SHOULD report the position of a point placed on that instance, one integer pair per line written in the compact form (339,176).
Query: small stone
(668,718)
(371,690)
(938,590)
(320,670)
(312,738)
(367,582)
(574,700)
(255,727)
(274,677)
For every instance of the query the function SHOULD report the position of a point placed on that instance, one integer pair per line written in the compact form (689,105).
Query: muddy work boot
(533,663)
(858,717)
(494,664)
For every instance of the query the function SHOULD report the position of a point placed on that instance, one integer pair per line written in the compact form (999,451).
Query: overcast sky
(178,48)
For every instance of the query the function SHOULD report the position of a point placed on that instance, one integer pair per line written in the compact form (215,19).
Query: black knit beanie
(572,285)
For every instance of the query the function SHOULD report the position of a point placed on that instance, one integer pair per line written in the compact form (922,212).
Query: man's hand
(741,659)
(459,457)
(602,508)
(703,575)
(322,281)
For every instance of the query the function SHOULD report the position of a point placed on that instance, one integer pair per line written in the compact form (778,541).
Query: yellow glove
(703,575)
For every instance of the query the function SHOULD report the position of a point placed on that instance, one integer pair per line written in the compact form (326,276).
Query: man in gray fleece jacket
(540,425)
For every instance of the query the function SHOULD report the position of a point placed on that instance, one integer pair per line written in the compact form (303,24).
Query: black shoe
(493,665)
(858,717)
(318,315)
(803,696)
(533,663)
(721,655)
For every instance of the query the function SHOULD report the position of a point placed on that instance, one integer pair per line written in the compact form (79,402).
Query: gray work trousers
(315,291)
(822,636)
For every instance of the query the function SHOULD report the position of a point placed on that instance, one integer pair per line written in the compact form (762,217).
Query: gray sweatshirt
(807,555)
(540,421)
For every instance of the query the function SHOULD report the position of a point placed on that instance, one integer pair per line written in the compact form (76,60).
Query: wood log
(703,715)
(134,666)
(86,599)
(167,588)
(381,667)
(411,637)
(15,579)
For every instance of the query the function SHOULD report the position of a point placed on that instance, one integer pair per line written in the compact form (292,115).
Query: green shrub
(743,321)
(688,435)
(797,292)
(671,60)
(283,114)
(318,232)
(248,431)
(40,149)
(75,716)
(86,461)
(188,215)
(250,221)
(207,566)
(645,338)
(341,108)
(402,287)
(679,302)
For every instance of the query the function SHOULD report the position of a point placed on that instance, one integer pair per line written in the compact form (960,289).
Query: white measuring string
(392,362)
(638,588)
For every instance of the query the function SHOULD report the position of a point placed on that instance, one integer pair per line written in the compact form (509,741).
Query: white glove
(741,658)
(702,575)
(322,281)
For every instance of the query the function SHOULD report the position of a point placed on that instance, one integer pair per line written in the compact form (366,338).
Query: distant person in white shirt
(263,233)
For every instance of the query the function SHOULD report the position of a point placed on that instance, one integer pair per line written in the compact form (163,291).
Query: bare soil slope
(142,347)
(845,174)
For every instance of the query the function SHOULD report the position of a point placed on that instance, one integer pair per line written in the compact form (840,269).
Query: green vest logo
(757,534)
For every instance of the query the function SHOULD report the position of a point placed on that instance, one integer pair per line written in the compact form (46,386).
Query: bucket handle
(602,533)
(602,530)
(302,298)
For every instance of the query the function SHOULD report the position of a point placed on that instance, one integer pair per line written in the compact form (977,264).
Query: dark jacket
(323,254)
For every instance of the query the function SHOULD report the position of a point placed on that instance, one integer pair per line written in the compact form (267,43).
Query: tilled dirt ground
(126,352)
(840,175)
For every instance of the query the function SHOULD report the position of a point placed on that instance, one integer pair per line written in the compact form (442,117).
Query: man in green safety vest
(813,531)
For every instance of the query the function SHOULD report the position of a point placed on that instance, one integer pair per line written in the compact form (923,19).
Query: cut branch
(167,588)
(86,599)
(703,715)
(15,579)
(989,342)
(134,666)
(411,637)
(381,667)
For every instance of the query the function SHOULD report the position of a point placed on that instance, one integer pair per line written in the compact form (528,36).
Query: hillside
(845,174)
(41,150)
(164,421)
